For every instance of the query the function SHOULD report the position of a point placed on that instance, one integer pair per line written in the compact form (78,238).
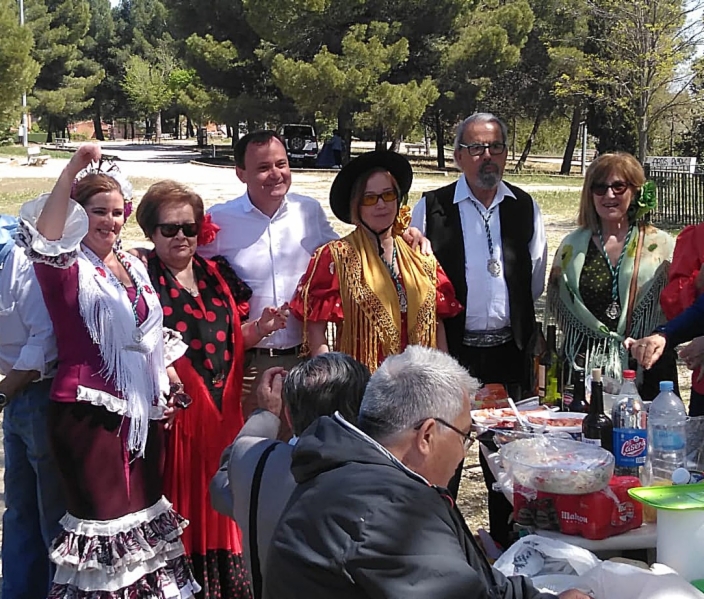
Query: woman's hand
(648,350)
(83,157)
(273,319)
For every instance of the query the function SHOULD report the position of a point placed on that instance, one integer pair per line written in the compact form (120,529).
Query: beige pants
(255,365)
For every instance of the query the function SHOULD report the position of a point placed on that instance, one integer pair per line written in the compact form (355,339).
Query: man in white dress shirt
(268,236)
(489,238)
(34,502)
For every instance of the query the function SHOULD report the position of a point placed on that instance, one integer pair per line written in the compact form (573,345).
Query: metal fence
(680,198)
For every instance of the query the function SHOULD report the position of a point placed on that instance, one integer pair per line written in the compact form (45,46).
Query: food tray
(555,465)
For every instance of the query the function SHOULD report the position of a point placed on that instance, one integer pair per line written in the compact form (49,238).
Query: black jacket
(361,525)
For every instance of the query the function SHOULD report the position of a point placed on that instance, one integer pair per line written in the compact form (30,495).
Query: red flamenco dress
(321,285)
(211,371)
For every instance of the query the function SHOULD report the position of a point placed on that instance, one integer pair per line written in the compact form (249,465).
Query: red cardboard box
(593,516)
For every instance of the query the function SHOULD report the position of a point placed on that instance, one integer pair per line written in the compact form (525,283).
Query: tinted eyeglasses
(370,199)
(618,187)
(495,148)
(171,229)
(467,438)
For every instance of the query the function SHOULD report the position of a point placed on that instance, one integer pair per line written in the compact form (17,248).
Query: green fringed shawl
(581,330)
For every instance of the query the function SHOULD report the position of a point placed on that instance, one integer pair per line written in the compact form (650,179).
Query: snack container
(560,466)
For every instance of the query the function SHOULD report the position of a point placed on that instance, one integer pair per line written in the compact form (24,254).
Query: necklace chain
(617,269)
(396,279)
(487,229)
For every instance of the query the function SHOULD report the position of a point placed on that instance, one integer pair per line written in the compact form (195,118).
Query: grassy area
(21,152)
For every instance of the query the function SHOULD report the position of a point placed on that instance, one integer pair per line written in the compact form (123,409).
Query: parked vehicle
(301,144)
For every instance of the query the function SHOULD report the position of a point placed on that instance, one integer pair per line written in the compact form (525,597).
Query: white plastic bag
(612,580)
(534,555)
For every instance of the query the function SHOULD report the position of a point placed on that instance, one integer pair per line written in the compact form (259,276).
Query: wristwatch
(3,400)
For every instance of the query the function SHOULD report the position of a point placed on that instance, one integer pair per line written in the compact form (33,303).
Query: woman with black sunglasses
(607,276)
(381,294)
(206,303)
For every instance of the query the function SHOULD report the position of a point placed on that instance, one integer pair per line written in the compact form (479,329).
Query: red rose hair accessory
(208,231)
(128,208)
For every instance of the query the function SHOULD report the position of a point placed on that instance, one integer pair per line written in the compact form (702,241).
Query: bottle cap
(680,476)
(596,375)
(666,386)
(629,374)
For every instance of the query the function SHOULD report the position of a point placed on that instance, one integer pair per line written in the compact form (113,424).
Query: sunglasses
(618,187)
(495,148)
(171,229)
(467,438)
(370,199)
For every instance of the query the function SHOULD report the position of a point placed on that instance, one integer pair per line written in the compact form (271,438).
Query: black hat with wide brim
(341,190)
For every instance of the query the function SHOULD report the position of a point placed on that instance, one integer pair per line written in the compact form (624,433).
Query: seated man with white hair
(370,516)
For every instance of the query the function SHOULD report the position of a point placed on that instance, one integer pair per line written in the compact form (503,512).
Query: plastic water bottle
(667,437)
(630,428)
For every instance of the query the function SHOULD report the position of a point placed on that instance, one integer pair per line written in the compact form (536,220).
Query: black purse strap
(256,572)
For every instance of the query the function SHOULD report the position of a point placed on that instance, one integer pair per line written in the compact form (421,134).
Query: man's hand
(269,390)
(699,280)
(415,238)
(693,354)
(574,594)
(648,350)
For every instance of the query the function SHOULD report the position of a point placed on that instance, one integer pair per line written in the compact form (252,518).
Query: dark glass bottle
(550,371)
(540,346)
(579,398)
(597,428)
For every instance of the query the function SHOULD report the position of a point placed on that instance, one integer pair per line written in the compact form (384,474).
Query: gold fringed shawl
(370,304)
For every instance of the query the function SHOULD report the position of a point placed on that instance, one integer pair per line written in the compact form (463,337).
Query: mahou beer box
(595,516)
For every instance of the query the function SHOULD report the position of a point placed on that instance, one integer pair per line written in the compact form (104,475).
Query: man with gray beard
(488,236)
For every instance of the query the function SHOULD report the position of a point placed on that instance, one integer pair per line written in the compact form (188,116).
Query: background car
(301,144)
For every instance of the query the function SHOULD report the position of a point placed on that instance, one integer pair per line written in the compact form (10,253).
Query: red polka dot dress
(211,371)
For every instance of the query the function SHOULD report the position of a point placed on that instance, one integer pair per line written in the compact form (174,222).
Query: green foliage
(147,85)
(18,70)
(67,78)
(330,80)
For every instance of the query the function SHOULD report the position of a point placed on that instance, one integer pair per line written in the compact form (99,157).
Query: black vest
(444,229)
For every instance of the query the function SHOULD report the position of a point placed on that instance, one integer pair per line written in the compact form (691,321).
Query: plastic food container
(558,465)
(561,422)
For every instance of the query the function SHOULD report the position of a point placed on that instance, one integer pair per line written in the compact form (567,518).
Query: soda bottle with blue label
(630,428)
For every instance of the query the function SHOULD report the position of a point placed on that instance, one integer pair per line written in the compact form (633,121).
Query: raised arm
(52,220)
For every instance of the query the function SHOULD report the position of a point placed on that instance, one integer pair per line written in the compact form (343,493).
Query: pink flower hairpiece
(208,231)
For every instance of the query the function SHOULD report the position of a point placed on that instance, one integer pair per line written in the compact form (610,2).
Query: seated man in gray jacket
(329,383)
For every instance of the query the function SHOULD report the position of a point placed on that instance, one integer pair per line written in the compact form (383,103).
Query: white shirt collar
(463,192)
(340,419)
(250,207)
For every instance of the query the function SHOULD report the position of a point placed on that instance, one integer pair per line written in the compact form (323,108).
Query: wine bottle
(597,428)
(579,399)
(551,365)
(539,348)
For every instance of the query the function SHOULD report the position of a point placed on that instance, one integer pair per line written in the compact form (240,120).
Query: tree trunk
(529,141)
(642,138)
(571,141)
(132,128)
(380,140)
(98,124)
(189,127)
(440,139)
(396,144)
(157,127)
